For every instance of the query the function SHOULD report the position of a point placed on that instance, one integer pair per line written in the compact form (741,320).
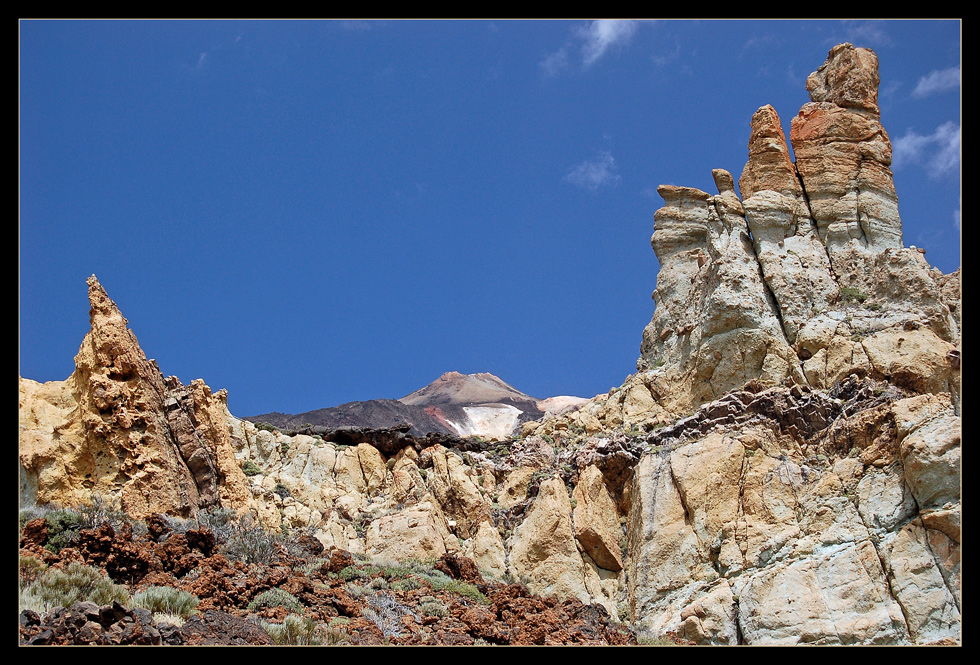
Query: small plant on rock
(66,586)
(433,608)
(102,510)
(852,294)
(29,570)
(294,630)
(167,600)
(63,528)
(650,641)
(249,542)
(386,613)
(276,598)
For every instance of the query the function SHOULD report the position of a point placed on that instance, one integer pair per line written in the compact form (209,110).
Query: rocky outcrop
(817,285)
(792,531)
(771,514)
(116,427)
(715,326)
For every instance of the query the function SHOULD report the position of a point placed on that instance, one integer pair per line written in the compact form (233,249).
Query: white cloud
(596,173)
(594,40)
(867,33)
(938,153)
(599,36)
(938,81)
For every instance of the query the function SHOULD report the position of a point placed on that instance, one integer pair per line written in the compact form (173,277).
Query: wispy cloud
(765,42)
(357,25)
(664,59)
(938,81)
(867,33)
(595,173)
(938,153)
(593,40)
(554,63)
(600,36)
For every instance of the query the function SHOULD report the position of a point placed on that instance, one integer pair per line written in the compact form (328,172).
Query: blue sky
(311,213)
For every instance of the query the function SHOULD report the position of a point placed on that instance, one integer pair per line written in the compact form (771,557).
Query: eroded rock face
(805,537)
(805,278)
(715,326)
(116,427)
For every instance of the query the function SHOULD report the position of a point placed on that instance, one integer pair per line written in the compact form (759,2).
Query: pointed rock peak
(456,388)
(770,166)
(765,125)
(849,79)
(100,302)
(110,344)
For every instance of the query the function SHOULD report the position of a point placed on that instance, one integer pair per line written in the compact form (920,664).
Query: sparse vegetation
(464,589)
(335,635)
(166,600)
(66,586)
(852,294)
(276,598)
(649,641)
(386,613)
(294,630)
(29,570)
(431,607)
(63,528)
(247,541)
(250,468)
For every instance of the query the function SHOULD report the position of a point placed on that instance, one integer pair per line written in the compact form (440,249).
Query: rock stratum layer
(784,467)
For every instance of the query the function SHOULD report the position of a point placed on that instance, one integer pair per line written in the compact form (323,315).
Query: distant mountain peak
(457,388)
(479,404)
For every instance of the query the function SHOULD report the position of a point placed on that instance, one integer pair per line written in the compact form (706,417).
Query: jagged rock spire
(843,156)
(126,432)
(804,279)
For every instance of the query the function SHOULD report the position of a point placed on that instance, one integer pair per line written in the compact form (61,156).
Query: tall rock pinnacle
(844,156)
(125,431)
(805,278)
